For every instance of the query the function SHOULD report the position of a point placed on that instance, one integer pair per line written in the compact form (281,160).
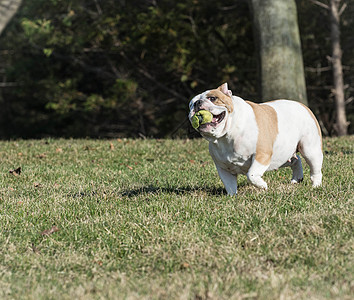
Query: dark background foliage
(128,68)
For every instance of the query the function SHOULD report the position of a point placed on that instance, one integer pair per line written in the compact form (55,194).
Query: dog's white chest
(226,158)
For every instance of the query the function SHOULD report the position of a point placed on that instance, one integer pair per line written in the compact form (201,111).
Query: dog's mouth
(217,119)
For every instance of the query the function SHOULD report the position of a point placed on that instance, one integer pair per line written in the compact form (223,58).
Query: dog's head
(219,103)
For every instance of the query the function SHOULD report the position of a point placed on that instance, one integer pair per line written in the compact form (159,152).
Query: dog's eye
(211,98)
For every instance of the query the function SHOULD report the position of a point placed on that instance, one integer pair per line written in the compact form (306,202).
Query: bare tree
(8,8)
(280,57)
(335,12)
(342,124)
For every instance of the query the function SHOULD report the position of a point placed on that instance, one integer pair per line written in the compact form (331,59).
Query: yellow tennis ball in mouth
(201,117)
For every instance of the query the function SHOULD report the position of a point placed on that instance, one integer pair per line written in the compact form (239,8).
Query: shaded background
(129,68)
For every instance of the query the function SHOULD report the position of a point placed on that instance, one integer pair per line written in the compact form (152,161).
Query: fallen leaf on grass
(59,150)
(35,249)
(50,231)
(99,262)
(185,265)
(41,156)
(15,172)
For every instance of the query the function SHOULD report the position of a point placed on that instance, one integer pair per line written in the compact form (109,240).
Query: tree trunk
(8,8)
(280,58)
(341,125)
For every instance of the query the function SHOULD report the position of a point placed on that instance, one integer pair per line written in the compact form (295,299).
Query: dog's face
(219,103)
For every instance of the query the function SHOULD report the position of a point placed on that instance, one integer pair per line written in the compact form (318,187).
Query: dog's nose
(198,105)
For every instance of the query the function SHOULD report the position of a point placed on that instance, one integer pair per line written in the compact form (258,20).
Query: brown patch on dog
(316,122)
(267,121)
(221,99)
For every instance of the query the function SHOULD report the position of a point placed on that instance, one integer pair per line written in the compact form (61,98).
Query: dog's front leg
(255,173)
(229,180)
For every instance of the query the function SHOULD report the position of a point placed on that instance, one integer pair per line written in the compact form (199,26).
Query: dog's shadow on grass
(209,190)
(213,191)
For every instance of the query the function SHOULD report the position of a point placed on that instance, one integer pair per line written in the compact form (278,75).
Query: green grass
(149,219)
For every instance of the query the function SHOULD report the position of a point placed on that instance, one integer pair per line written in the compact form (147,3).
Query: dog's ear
(224,88)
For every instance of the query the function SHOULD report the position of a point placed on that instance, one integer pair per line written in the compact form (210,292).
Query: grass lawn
(149,219)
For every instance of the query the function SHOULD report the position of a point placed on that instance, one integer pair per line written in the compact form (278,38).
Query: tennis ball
(201,117)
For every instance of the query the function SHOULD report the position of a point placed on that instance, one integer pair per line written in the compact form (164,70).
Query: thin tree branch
(144,72)
(74,60)
(98,7)
(160,85)
(227,8)
(349,100)
(8,84)
(318,70)
(342,9)
(319,3)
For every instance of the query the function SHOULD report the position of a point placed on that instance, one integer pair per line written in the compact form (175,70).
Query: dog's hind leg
(312,152)
(296,166)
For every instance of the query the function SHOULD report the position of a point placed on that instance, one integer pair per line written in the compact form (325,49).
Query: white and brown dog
(249,138)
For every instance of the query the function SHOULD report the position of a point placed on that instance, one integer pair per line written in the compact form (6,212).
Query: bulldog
(248,138)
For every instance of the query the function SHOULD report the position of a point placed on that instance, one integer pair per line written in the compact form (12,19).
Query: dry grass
(149,220)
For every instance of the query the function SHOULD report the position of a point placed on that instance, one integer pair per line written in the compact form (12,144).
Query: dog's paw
(257,181)
(260,183)
(296,180)
(263,186)
(316,184)
(316,180)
